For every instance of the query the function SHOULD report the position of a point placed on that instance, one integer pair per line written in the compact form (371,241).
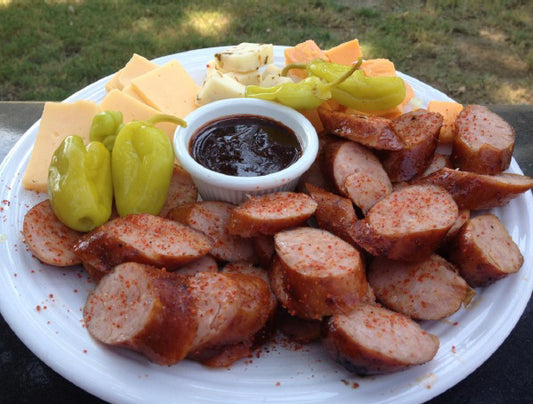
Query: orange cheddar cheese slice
(449,111)
(346,53)
(136,66)
(168,88)
(58,121)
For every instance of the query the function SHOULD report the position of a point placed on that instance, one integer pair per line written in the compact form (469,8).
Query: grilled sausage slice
(371,131)
(316,274)
(419,131)
(483,141)
(144,309)
(203,264)
(142,238)
(357,173)
(374,340)
(423,290)
(334,213)
(231,310)
(484,251)
(48,239)
(270,213)
(212,219)
(181,191)
(478,191)
(408,224)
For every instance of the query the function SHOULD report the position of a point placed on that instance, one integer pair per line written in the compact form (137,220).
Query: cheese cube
(245,57)
(58,121)
(168,88)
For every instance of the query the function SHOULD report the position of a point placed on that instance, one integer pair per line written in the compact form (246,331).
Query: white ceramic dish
(212,185)
(43,305)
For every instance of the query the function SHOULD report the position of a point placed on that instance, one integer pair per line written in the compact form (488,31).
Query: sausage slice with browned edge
(144,309)
(408,224)
(267,214)
(142,238)
(182,190)
(419,131)
(479,191)
(374,340)
(356,173)
(316,273)
(231,310)
(212,219)
(423,290)
(483,141)
(484,251)
(371,131)
(49,240)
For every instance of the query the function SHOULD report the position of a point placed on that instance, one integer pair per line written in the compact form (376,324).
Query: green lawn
(475,51)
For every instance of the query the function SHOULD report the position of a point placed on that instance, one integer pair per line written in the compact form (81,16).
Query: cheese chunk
(168,88)
(219,87)
(245,57)
(58,121)
(346,53)
(133,110)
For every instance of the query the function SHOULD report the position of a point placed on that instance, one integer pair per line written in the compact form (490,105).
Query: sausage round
(316,274)
(408,224)
(423,290)
(144,309)
(483,141)
(484,251)
(373,340)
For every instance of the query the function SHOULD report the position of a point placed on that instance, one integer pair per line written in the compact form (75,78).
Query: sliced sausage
(316,273)
(478,191)
(49,240)
(408,224)
(142,238)
(372,131)
(212,218)
(231,310)
(181,191)
(423,290)
(356,173)
(439,161)
(373,340)
(483,141)
(270,213)
(297,329)
(264,249)
(419,131)
(484,251)
(334,213)
(203,264)
(144,309)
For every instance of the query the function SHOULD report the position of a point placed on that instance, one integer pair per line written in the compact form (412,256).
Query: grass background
(476,51)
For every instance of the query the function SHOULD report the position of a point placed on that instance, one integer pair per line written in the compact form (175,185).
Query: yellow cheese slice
(169,89)
(113,82)
(136,66)
(58,121)
(132,93)
(133,110)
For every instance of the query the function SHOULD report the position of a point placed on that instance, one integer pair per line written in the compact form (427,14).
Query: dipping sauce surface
(245,146)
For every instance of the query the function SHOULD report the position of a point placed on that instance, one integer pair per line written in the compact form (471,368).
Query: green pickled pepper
(359,91)
(142,161)
(105,126)
(79,184)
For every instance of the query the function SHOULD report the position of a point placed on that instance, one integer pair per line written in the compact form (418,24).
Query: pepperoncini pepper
(306,94)
(105,126)
(79,184)
(141,164)
(359,91)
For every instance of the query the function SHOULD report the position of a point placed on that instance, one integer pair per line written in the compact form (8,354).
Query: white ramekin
(216,186)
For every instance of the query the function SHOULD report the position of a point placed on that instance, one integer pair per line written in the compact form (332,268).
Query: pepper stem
(166,118)
(293,66)
(347,74)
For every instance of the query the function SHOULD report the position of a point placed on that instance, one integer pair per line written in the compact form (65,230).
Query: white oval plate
(43,304)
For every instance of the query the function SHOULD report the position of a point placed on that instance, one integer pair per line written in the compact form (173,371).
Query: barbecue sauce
(245,146)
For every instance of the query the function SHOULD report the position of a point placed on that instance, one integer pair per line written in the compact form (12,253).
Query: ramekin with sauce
(239,147)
